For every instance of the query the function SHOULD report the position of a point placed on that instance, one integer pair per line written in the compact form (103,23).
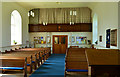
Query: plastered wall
(107,13)
(7,8)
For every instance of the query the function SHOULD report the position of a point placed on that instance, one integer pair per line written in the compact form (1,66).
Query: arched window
(95,29)
(16,28)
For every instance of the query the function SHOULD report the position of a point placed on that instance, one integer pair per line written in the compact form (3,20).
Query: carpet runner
(53,67)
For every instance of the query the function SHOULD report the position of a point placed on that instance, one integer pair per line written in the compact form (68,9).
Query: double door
(60,43)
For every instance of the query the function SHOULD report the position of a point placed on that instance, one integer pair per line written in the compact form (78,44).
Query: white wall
(7,8)
(0,23)
(119,25)
(82,34)
(44,34)
(119,38)
(107,13)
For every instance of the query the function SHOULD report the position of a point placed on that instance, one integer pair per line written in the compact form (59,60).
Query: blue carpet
(53,67)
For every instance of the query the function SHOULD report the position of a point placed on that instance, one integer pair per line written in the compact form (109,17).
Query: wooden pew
(25,54)
(34,55)
(29,62)
(31,58)
(43,54)
(46,51)
(74,46)
(103,62)
(76,61)
(14,63)
(32,50)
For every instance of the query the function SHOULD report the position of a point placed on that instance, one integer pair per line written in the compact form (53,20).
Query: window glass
(16,28)
(62,40)
(56,40)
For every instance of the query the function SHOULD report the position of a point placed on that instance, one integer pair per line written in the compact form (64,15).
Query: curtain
(62,15)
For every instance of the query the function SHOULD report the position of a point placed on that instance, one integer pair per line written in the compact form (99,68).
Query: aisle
(53,67)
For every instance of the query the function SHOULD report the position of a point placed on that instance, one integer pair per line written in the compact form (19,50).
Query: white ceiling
(31,5)
(60,0)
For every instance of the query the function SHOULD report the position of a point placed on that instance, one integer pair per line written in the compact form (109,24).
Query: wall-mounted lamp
(44,23)
(31,13)
(70,12)
(73,13)
(71,23)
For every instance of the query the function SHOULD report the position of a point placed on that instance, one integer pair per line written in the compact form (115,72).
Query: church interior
(59,39)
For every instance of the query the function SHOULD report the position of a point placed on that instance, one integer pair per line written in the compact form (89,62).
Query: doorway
(60,43)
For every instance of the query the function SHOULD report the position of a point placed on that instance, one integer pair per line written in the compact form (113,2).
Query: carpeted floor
(53,67)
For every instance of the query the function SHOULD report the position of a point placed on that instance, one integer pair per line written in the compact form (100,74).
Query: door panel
(57,49)
(63,40)
(60,43)
(63,49)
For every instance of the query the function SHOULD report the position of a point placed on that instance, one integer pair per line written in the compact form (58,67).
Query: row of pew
(93,62)
(24,59)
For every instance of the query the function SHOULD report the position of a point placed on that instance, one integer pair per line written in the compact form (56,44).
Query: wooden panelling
(103,62)
(77,65)
(48,28)
(76,28)
(60,45)
(33,28)
(79,27)
(64,28)
(86,27)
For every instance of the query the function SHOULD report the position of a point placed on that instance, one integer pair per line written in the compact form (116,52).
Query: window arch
(16,28)
(95,28)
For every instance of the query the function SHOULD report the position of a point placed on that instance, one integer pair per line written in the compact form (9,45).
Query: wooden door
(60,43)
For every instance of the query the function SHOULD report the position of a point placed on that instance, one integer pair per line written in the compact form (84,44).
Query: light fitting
(73,13)
(31,13)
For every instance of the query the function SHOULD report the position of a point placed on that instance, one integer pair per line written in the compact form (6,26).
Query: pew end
(14,63)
